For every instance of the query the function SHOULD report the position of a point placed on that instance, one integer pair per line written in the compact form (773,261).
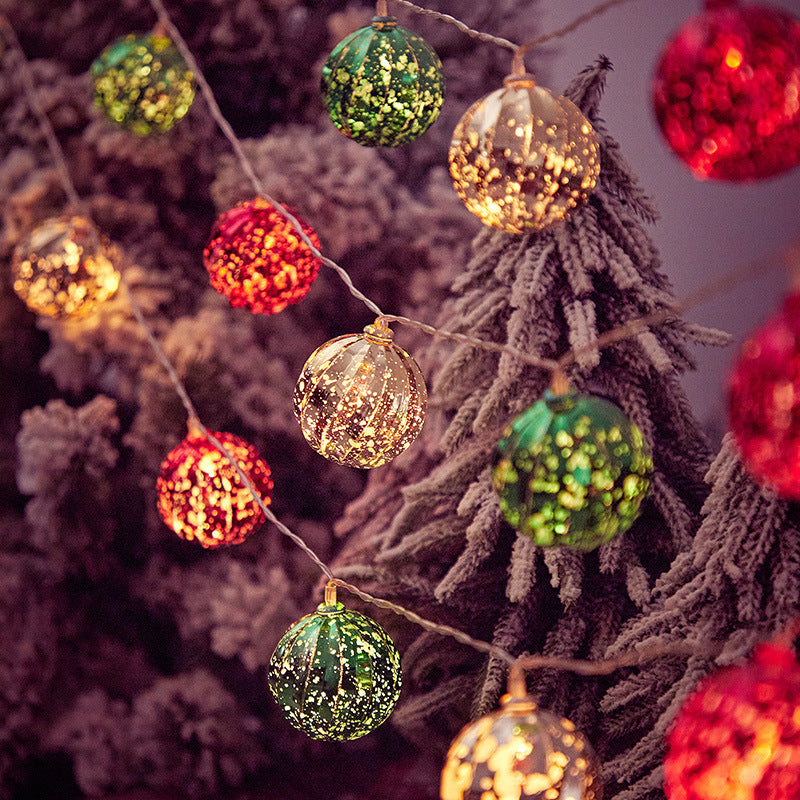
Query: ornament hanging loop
(382,8)
(517,688)
(330,594)
(559,383)
(518,71)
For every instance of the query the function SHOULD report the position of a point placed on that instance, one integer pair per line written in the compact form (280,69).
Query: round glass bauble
(65,268)
(738,735)
(521,751)
(522,157)
(725,92)
(335,674)
(573,471)
(764,402)
(383,84)
(201,496)
(361,399)
(143,84)
(257,259)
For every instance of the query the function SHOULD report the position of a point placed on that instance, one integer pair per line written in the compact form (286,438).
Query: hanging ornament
(573,471)
(65,268)
(335,673)
(256,258)
(383,84)
(520,751)
(201,496)
(522,157)
(726,92)
(764,402)
(361,399)
(142,83)
(738,736)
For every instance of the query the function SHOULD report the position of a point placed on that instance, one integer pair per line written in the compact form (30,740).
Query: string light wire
(518,664)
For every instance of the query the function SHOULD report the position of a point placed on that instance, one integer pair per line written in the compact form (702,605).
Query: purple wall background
(706,228)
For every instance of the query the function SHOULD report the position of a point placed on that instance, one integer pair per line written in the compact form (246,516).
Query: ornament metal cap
(379,332)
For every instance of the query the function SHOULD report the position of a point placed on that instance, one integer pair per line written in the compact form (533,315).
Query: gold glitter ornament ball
(522,157)
(143,84)
(201,496)
(521,752)
(361,399)
(65,268)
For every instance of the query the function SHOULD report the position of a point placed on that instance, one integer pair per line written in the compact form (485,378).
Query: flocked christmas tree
(430,533)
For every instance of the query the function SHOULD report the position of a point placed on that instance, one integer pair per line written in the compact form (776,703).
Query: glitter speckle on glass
(335,674)
(203,499)
(360,399)
(256,258)
(65,268)
(522,157)
(727,92)
(519,751)
(143,84)
(383,84)
(573,470)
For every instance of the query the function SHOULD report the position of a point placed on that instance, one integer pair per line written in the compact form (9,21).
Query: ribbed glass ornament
(335,674)
(361,399)
(65,268)
(142,83)
(521,752)
(383,84)
(573,471)
(522,157)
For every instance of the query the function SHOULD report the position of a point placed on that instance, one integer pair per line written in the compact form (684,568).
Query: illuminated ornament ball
(65,268)
(738,735)
(764,402)
(726,92)
(335,674)
(361,399)
(143,84)
(257,259)
(383,84)
(202,498)
(521,751)
(573,471)
(522,157)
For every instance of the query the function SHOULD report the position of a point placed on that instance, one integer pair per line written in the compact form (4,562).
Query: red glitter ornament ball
(256,258)
(738,736)
(764,402)
(727,92)
(201,496)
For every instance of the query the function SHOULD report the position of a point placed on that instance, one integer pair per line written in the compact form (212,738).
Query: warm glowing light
(520,749)
(522,157)
(361,399)
(201,496)
(143,84)
(257,259)
(335,674)
(383,84)
(726,92)
(737,736)
(65,268)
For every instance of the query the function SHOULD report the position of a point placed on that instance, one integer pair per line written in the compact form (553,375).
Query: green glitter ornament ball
(383,84)
(143,84)
(335,674)
(573,471)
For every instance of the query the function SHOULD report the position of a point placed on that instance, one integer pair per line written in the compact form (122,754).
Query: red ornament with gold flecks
(258,260)
(764,402)
(738,736)
(727,92)
(201,496)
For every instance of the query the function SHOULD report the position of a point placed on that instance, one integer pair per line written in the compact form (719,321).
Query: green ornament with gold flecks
(573,471)
(335,674)
(143,84)
(383,84)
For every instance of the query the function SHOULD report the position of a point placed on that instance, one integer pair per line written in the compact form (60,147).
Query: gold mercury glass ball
(361,399)
(521,751)
(65,268)
(522,157)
